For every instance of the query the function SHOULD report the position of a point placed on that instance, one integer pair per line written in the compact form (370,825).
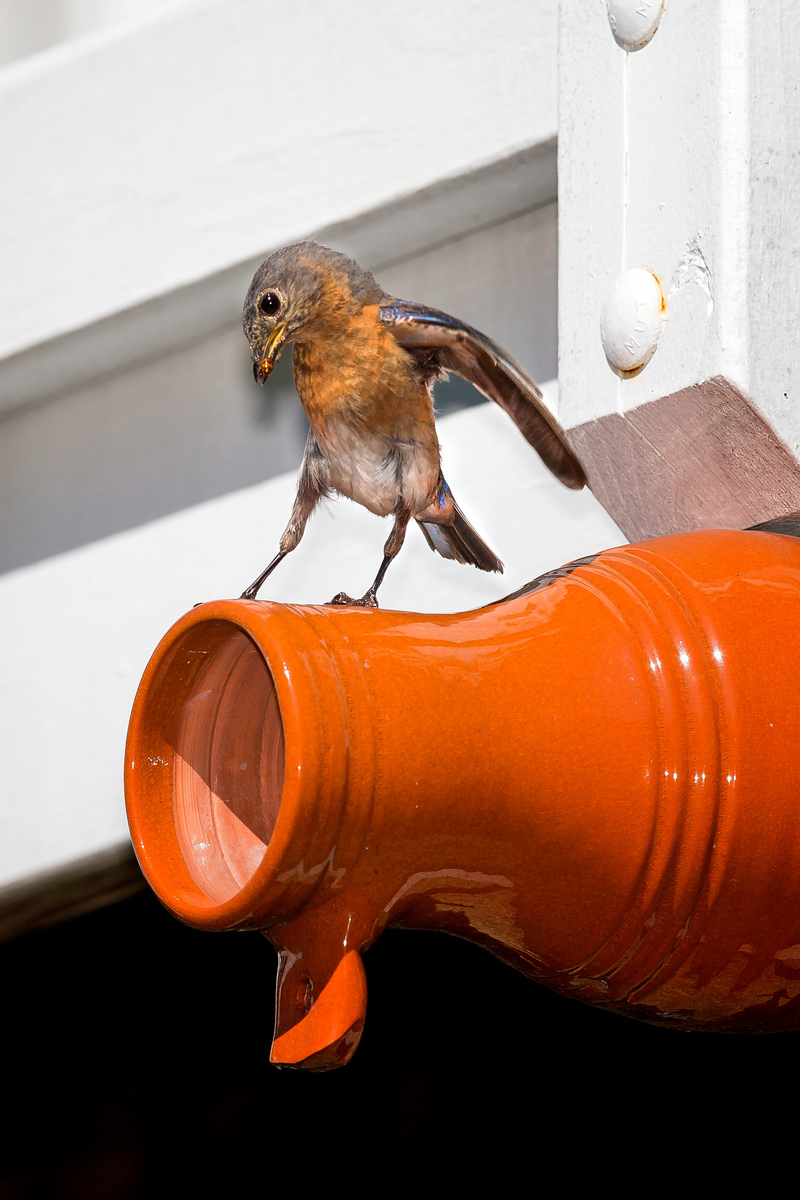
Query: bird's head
(298,294)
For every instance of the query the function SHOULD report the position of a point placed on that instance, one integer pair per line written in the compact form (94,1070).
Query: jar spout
(322,1032)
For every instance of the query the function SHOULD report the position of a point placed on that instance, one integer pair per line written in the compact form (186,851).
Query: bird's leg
(251,592)
(311,486)
(394,542)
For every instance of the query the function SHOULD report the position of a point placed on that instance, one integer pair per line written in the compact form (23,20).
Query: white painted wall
(682,158)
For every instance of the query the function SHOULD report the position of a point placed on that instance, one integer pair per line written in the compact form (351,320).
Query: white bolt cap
(632,321)
(633,22)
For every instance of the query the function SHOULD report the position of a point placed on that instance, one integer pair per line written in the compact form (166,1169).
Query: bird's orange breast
(354,371)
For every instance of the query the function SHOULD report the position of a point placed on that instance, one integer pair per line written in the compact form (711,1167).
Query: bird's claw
(368,600)
(249,594)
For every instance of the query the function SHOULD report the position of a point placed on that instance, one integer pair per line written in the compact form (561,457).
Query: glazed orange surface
(598,781)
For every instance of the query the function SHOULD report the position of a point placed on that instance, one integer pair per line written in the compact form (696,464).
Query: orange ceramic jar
(597,779)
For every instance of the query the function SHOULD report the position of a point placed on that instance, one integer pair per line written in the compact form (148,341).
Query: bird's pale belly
(377,471)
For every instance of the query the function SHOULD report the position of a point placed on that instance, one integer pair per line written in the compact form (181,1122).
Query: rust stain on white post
(634,22)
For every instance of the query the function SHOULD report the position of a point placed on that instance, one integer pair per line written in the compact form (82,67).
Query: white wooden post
(678,156)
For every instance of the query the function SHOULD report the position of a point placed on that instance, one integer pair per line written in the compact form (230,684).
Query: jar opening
(228,767)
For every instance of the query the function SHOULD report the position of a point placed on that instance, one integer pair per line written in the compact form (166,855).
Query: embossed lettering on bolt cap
(632,321)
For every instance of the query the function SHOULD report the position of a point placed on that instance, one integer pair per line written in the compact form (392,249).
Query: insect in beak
(262,367)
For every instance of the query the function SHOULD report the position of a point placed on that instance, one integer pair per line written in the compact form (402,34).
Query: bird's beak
(263,364)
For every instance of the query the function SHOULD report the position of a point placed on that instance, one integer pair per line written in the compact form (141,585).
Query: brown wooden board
(701,458)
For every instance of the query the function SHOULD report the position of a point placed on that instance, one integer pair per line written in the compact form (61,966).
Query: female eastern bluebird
(364,367)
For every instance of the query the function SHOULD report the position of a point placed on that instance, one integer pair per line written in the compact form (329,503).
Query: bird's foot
(368,600)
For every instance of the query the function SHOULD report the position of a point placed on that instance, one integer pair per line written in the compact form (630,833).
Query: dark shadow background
(135,1064)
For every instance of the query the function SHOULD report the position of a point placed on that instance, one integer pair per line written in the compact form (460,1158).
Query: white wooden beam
(162,160)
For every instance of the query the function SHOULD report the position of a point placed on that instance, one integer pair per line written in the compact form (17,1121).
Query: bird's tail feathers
(459,541)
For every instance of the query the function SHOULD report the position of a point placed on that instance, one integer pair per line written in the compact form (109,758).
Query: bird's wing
(471,354)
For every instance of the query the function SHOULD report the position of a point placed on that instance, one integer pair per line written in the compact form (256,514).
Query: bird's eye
(269,304)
